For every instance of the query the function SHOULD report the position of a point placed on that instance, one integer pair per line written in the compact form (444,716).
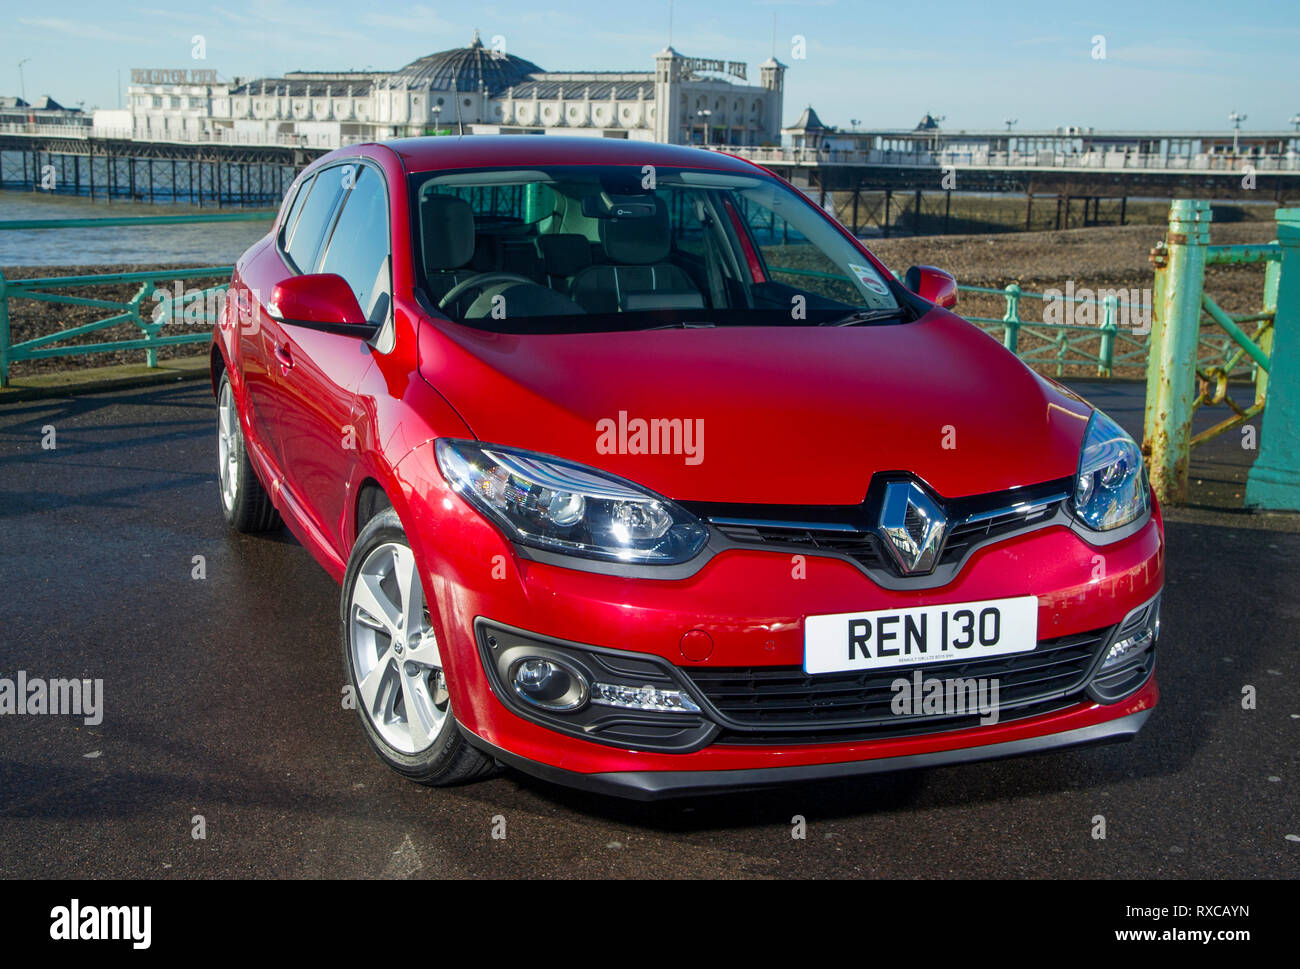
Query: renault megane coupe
(642,475)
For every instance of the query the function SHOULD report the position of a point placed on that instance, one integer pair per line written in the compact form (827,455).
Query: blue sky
(1173,65)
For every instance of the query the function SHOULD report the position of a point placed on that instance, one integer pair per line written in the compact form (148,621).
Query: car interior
(598,243)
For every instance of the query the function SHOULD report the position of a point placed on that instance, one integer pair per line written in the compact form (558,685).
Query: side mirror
(933,285)
(316,299)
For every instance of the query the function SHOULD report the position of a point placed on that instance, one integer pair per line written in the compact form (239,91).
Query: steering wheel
(478,281)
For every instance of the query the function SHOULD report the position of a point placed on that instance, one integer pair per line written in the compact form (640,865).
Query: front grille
(762,701)
(970,534)
(862,547)
(849,530)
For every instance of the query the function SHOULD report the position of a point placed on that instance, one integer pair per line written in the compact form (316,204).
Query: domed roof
(466,69)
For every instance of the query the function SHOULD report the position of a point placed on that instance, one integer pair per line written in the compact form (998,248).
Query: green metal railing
(1192,350)
(136,220)
(1106,344)
(154,318)
(1178,380)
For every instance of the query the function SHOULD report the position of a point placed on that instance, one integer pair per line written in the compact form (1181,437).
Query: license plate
(956,632)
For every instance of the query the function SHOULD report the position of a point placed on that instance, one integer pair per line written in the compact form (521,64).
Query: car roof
(496,151)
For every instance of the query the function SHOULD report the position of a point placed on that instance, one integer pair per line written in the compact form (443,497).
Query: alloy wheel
(394,652)
(228,445)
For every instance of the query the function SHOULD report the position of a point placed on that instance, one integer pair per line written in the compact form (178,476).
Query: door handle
(282,354)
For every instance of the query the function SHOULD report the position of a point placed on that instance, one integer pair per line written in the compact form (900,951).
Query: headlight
(1111,487)
(559,506)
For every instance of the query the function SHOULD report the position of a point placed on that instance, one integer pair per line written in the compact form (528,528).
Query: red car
(641,474)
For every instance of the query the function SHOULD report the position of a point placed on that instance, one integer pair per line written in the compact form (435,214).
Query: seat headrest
(638,241)
(446,232)
(564,253)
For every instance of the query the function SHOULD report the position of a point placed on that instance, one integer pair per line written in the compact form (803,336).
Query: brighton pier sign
(702,65)
(147,75)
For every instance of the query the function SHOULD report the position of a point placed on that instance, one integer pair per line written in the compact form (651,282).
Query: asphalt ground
(222,703)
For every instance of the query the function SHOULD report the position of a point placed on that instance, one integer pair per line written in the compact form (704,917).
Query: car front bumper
(751,604)
(1126,719)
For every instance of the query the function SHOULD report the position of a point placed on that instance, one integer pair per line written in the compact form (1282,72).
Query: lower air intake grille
(761,702)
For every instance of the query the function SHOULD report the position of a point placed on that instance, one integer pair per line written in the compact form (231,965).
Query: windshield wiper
(865,316)
(682,326)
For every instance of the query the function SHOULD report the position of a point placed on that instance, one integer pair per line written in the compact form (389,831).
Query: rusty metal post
(1159,258)
(1272,277)
(1274,480)
(1175,333)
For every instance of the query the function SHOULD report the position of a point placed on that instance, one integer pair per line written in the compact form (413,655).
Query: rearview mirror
(933,285)
(316,299)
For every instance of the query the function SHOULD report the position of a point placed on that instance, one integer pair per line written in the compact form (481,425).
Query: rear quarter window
(293,207)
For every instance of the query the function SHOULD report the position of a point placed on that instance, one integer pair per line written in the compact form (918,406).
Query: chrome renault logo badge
(912,527)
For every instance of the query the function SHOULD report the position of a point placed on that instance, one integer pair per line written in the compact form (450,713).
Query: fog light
(642,698)
(1137,632)
(1127,647)
(548,683)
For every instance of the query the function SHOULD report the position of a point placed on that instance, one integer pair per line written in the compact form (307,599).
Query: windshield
(576,248)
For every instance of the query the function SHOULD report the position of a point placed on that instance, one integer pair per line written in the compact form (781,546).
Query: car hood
(778,415)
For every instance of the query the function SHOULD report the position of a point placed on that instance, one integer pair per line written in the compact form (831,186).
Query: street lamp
(1236,119)
(1295,120)
(437,110)
(22,83)
(1009,122)
(705,113)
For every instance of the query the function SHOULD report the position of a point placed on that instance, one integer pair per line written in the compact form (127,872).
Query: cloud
(412,20)
(77,28)
(1040,41)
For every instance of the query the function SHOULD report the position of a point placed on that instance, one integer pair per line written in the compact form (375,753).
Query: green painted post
(150,332)
(1274,481)
(1110,308)
(4,332)
(1011,318)
(1174,355)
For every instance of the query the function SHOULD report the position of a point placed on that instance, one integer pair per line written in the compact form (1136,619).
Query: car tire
(393,664)
(244,501)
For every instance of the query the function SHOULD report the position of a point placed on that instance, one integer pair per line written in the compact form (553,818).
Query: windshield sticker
(868,278)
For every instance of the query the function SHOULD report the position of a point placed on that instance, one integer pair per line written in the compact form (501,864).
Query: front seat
(447,241)
(564,256)
(638,275)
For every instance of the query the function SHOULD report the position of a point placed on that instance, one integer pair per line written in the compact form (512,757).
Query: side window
(358,247)
(286,227)
(307,234)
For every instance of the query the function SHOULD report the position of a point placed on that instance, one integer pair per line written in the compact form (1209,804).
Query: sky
(1176,65)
